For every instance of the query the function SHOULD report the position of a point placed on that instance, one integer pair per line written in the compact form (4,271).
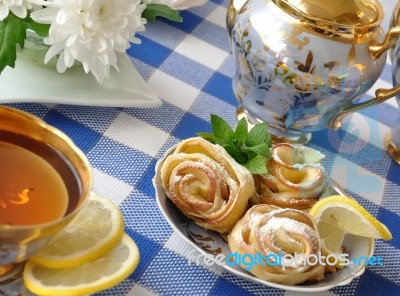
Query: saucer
(209,242)
(28,82)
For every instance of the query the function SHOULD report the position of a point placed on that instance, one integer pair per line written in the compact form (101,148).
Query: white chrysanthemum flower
(17,7)
(90,31)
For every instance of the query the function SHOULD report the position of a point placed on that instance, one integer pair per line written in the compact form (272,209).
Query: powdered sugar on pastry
(207,184)
(271,230)
(295,179)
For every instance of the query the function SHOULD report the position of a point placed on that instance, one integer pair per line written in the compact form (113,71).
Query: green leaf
(152,11)
(208,136)
(221,128)
(261,149)
(235,152)
(241,132)
(249,148)
(41,29)
(257,135)
(256,165)
(12,32)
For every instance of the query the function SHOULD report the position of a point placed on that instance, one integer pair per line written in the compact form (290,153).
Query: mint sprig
(152,11)
(249,148)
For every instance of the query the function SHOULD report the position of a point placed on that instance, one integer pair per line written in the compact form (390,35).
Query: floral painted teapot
(300,64)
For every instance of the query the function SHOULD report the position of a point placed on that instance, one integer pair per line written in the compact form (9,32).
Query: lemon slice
(338,215)
(95,230)
(88,278)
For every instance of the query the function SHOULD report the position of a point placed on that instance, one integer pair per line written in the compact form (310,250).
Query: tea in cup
(45,179)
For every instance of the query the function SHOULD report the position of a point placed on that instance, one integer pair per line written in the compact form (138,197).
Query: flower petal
(53,51)
(3,11)
(45,15)
(61,67)
(19,11)
(43,3)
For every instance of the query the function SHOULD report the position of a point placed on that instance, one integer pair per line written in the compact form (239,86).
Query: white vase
(186,4)
(31,80)
(35,50)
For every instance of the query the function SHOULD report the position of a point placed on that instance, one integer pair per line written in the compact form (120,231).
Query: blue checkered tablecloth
(190,67)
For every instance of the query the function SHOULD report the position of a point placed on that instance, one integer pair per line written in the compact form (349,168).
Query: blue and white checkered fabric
(190,67)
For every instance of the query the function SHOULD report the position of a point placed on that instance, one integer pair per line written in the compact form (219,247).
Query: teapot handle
(381,94)
(378,48)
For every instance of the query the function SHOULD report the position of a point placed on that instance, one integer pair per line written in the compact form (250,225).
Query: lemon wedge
(338,215)
(88,278)
(95,230)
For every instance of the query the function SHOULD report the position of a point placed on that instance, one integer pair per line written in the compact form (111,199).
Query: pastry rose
(275,233)
(207,184)
(295,179)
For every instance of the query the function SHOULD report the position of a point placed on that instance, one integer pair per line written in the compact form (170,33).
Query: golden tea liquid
(37,185)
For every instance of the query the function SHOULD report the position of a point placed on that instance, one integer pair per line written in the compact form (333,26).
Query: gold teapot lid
(352,19)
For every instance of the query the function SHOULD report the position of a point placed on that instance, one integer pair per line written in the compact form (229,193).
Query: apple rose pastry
(295,179)
(281,240)
(207,184)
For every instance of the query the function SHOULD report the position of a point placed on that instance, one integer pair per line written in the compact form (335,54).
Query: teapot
(391,141)
(302,64)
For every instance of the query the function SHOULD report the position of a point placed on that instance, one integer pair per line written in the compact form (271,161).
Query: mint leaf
(152,11)
(257,135)
(261,149)
(241,132)
(221,128)
(256,165)
(249,148)
(235,152)
(208,136)
(12,32)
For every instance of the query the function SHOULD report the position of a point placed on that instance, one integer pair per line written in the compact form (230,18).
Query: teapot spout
(233,9)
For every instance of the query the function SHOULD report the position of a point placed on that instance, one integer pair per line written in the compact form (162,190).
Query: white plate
(28,82)
(210,242)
